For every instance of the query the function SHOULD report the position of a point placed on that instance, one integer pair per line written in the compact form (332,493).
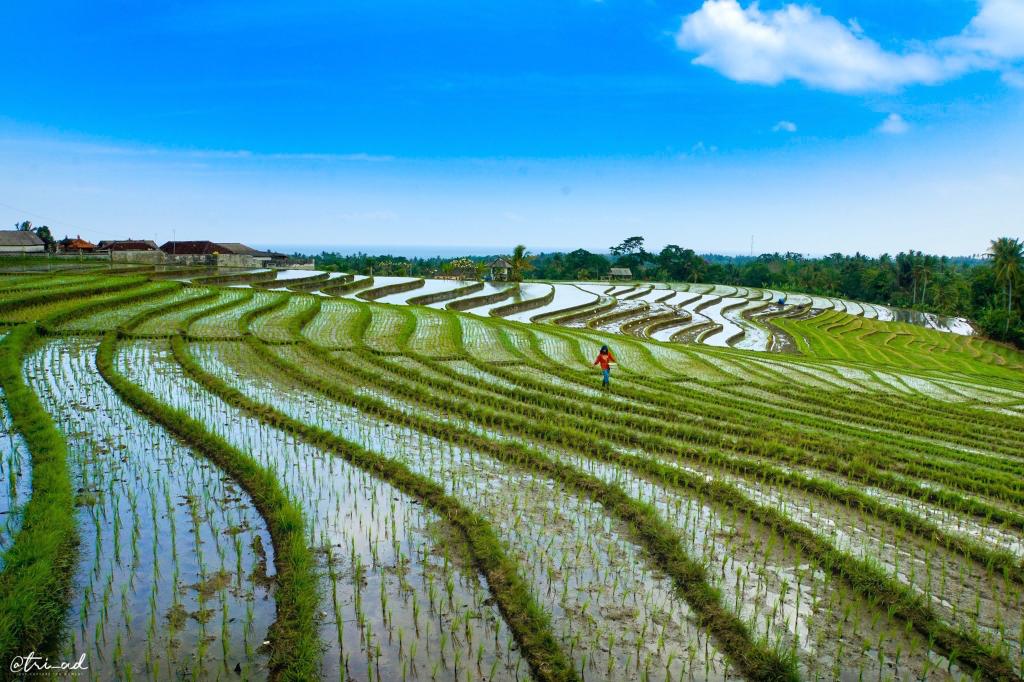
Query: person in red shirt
(605,358)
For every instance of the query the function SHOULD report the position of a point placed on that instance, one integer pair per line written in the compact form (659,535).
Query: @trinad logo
(34,664)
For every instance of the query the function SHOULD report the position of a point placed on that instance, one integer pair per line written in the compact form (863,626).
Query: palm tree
(916,270)
(927,266)
(520,261)
(1008,264)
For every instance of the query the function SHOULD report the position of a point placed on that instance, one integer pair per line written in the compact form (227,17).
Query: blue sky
(871,126)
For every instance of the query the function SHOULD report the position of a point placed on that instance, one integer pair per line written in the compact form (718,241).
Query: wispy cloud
(1014,78)
(784,127)
(799,42)
(894,124)
(184,155)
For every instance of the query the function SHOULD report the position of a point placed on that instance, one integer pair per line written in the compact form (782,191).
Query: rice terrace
(533,341)
(291,475)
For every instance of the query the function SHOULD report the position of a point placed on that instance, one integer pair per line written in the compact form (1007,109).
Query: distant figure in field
(605,358)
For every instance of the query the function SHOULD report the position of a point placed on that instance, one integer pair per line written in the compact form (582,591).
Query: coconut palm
(1008,263)
(927,267)
(520,260)
(916,272)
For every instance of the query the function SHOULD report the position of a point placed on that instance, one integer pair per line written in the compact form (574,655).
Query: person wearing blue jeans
(604,359)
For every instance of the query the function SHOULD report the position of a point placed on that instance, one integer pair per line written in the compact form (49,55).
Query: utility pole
(751,246)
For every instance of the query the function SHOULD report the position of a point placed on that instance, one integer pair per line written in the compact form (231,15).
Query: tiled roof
(19,238)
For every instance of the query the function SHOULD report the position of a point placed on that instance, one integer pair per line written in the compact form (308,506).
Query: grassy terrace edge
(36,578)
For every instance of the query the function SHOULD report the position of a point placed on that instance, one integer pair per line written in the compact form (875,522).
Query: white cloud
(894,124)
(798,42)
(996,31)
(784,127)
(1014,79)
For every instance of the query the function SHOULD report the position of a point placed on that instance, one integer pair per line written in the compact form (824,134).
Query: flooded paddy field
(236,482)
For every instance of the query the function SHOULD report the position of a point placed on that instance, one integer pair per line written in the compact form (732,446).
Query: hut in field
(20,241)
(620,273)
(500,269)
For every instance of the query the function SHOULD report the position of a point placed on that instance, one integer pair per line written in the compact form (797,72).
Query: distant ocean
(406,250)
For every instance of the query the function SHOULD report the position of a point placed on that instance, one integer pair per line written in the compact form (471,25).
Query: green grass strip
(348,286)
(35,583)
(388,289)
(242,299)
(136,321)
(483,299)
(295,648)
(446,295)
(270,306)
(238,278)
(299,322)
(103,286)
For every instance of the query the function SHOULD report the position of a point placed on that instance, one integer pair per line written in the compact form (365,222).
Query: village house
(240,249)
(203,252)
(620,273)
(20,241)
(501,270)
(76,245)
(126,245)
(131,250)
(193,248)
(272,258)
